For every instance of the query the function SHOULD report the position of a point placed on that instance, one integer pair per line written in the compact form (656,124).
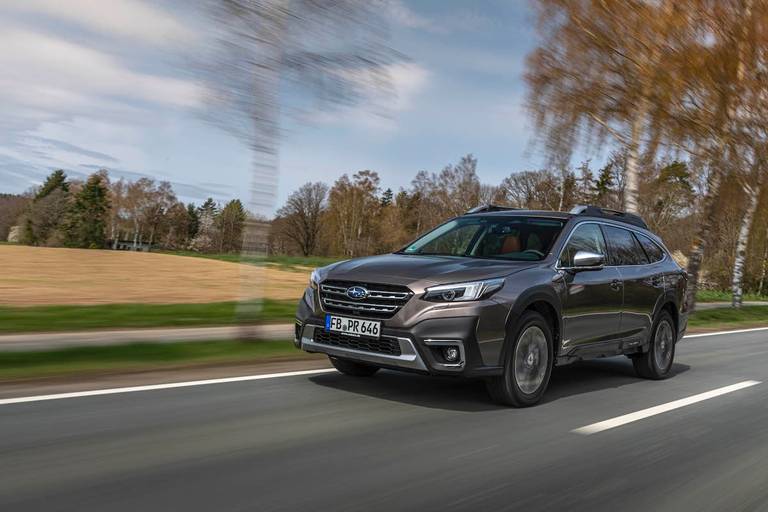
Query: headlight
(314,279)
(463,291)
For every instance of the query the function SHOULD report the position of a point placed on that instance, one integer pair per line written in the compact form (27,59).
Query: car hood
(420,271)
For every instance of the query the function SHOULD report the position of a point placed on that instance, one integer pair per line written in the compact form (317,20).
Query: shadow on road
(452,394)
(595,375)
(457,394)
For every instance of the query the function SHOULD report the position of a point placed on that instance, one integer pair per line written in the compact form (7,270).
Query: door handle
(616,285)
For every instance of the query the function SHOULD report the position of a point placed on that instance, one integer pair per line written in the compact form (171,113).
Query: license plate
(352,326)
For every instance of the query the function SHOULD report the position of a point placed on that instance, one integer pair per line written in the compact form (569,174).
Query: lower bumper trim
(409,357)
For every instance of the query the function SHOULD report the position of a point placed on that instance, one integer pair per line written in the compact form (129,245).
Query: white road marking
(660,409)
(153,387)
(701,335)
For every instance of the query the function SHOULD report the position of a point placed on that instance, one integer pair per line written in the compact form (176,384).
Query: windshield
(509,238)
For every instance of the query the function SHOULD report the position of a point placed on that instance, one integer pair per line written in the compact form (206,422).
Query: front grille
(297,330)
(386,346)
(383,300)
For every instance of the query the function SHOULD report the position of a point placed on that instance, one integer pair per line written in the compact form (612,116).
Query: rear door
(593,298)
(643,283)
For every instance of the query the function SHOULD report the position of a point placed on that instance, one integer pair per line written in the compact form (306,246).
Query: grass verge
(729,318)
(140,356)
(119,316)
(725,296)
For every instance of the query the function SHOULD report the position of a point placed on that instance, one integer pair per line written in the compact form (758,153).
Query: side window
(653,251)
(586,237)
(625,249)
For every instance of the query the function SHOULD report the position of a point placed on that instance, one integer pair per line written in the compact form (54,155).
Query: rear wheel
(527,365)
(656,362)
(353,368)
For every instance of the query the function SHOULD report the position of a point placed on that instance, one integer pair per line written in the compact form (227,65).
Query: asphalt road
(400,442)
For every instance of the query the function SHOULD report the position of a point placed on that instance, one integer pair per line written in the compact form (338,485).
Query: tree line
(119,214)
(355,216)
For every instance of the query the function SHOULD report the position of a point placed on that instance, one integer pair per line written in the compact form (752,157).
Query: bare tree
(302,212)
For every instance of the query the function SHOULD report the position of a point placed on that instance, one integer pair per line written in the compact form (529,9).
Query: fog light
(451,354)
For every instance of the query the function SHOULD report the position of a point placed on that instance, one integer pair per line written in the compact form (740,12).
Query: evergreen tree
(229,224)
(386,197)
(603,188)
(44,215)
(56,180)
(194,221)
(87,217)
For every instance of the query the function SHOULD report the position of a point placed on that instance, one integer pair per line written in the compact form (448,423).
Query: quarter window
(625,249)
(652,250)
(586,237)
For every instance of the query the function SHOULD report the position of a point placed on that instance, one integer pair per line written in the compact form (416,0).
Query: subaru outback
(504,295)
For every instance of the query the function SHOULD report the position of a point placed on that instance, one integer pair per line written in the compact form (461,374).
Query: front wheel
(527,365)
(656,362)
(353,368)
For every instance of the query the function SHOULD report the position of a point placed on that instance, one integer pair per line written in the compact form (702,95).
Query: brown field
(41,275)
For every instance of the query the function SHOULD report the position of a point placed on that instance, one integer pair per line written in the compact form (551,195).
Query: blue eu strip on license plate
(327,323)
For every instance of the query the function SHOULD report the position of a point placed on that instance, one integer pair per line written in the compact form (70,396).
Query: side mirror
(586,260)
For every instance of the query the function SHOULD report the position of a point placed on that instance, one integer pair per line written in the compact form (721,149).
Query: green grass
(725,296)
(293,263)
(143,356)
(115,316)
(729,317)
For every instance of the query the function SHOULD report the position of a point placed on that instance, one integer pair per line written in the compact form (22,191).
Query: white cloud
(404,16)
(466,19)
(131,19)
(43,71)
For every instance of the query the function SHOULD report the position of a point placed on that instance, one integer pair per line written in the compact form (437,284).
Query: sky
(91,84)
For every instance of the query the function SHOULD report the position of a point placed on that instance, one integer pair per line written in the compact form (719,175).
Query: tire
(353,368)
(528,363)
(656,363)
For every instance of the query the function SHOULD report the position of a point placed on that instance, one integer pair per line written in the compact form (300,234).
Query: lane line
(738,331)
(153,387)
(618,421)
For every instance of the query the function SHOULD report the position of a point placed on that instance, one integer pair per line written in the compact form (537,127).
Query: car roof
(552,214)
(522,213)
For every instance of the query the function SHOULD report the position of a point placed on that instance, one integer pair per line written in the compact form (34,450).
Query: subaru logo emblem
(357,292)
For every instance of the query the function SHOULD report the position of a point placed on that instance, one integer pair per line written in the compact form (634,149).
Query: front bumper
(420,347)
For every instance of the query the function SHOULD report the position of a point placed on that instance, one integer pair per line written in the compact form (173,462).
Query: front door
(593,298)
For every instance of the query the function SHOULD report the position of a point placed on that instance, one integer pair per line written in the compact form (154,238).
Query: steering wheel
(537,253)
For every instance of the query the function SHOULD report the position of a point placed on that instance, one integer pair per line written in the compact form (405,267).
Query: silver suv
(505,295)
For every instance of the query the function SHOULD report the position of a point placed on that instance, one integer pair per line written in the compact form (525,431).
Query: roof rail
(489,208)
(607,213)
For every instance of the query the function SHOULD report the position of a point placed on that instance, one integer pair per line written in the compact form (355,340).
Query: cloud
(404,16)
(460,20)
(43,70)
(129,19)
(45,143)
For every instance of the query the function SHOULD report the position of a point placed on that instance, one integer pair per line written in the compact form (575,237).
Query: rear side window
(586,237)
(652,250)
(625,249)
